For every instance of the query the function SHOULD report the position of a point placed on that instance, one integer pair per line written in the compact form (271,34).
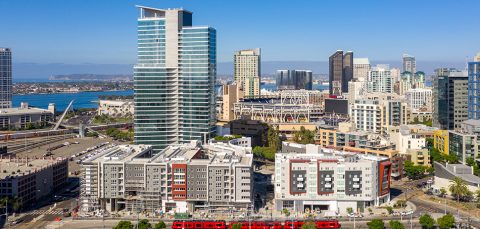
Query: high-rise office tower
(409,64)
(174,79)
(380,79)
(347,70)
(340,72)
(474,88)
(246,71)
(294,80)
(450,98)
(5,78)
(361,66)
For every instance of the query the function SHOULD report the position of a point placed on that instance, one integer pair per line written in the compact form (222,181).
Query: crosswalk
(45,212)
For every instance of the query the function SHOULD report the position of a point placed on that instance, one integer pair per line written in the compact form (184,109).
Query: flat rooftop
(192,153)
(20,111)
(24,166)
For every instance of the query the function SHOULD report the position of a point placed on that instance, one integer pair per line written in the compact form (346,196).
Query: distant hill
(44,71)
(92,77)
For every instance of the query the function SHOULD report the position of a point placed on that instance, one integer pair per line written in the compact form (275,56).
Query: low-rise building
(329,180)
(256,130)
(31,179)
(116,108)
(24,116)
(419,157)
(444,173)
(180,178)
(440,140)
(407,137)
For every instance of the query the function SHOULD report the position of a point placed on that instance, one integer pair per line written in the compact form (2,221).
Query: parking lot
(66,151)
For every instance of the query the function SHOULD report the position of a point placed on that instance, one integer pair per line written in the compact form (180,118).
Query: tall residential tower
(246,71)
(474,88)
(409,64)
(5,78)
(174,79)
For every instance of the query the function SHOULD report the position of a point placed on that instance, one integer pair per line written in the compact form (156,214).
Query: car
(355,215)
(407,212)
(17,221)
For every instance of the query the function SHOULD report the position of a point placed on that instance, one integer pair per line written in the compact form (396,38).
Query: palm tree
(477,195)
(17,203)
(458,188)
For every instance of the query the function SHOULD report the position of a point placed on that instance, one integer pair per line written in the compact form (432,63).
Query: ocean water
(61,100)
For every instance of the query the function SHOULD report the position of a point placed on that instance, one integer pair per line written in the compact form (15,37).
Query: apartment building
(181,178)
(419,98)
(329,180)
(440,140)
(380,79)
(377,114)
(465,142)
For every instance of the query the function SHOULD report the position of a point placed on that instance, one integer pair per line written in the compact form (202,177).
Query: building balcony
(356,179)
(328,179)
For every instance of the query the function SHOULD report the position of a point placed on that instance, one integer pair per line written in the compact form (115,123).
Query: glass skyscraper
(474,88)
(174,79)
(5,78)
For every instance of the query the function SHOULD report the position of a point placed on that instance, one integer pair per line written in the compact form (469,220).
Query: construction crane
(63,116)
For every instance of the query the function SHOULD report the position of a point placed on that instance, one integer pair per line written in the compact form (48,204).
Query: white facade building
(330,180)
(116,108)
(361,67)
(419,98)
(380,79)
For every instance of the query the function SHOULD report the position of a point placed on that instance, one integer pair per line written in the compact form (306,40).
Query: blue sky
(104,31)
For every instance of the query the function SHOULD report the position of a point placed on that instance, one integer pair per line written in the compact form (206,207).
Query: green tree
(264,152)
(304,136)
(376,224)
(286,212)
(17,204)
(477,195)
(274,138)
(349,210)
(4,201)
(427,221)
(236,226)
(389,209)
(446,222)
(458,188)
(123,225)
(144,224)
(395,224)
(414,172)
(309,225)
(160,225)
(443,192)
(400,204)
